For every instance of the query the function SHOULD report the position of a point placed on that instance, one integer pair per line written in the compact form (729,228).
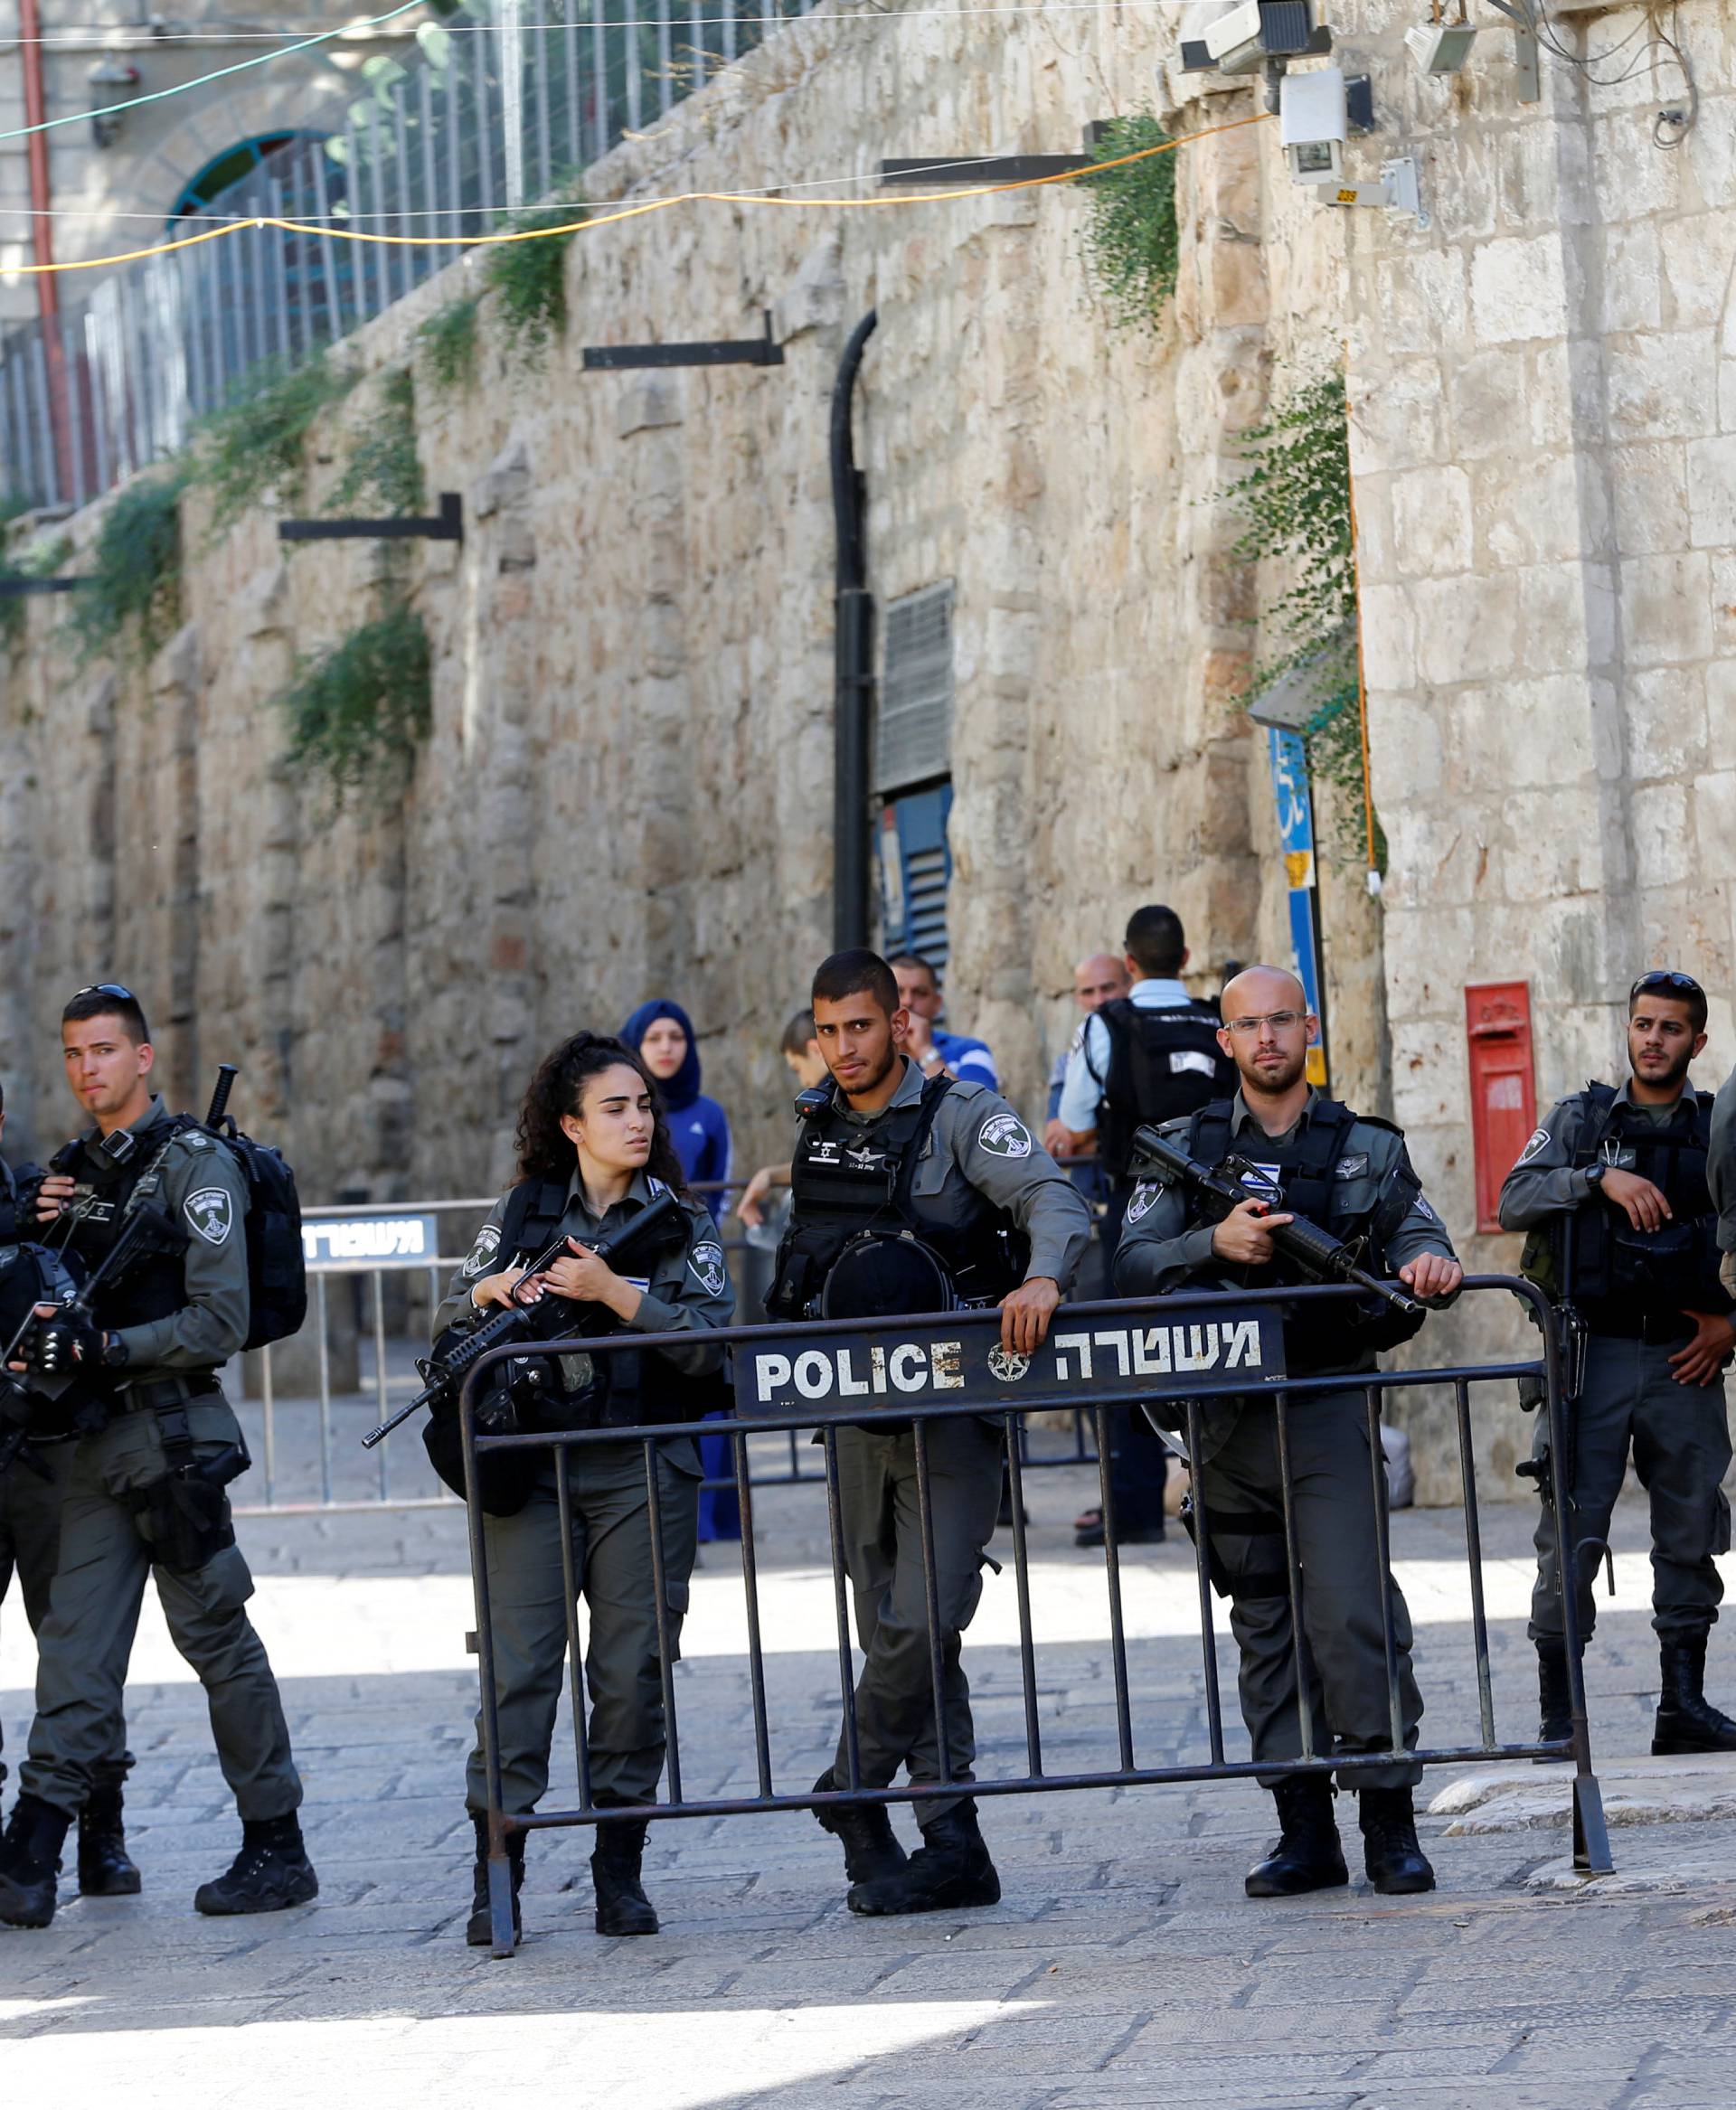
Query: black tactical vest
(1301,1176)
(847,1180)
(1164,1063)
(153,1284)
(1615,1275)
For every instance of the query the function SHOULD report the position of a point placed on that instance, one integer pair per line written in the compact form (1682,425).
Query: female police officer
(593,1150)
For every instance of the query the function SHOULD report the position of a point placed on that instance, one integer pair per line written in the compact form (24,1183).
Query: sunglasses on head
(1664,982)
(118,989)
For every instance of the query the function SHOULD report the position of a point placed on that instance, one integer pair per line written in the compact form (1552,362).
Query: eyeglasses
(118,989)
(1664,982)
(1280,1022)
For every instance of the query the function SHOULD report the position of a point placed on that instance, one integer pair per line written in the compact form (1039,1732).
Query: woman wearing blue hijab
(662,1035)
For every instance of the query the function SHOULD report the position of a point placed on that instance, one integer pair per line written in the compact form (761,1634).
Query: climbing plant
(42,560)
(1295,502)
(256,442)
(383,472)
(1132,244)
(357,712)
(133,600)
(449,342)
(529,278)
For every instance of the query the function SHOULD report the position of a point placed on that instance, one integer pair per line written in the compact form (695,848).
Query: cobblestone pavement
(1124,1966)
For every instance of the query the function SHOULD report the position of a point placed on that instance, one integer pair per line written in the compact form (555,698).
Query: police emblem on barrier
(1004,1136)
(1007,1364)
(210,1213)
(707,1260)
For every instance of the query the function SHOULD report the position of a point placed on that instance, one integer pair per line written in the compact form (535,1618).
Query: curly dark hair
(544,1150)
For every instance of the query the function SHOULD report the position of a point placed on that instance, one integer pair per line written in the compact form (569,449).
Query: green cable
(204,79)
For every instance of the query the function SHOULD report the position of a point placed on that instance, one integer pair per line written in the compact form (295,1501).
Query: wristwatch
(1594,1177)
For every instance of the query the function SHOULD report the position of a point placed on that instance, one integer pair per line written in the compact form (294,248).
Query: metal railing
(325,1475)
(1183,1367)
(503,103)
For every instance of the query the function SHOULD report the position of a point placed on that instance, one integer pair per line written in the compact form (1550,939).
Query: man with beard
(1613,1188)
(1302,1155)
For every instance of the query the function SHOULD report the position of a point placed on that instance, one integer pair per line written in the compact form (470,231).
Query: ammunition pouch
(185,1516)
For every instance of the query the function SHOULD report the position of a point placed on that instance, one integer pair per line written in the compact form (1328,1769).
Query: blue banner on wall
(1289,763)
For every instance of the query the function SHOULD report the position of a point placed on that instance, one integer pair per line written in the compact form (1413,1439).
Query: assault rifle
(445,1377)
(1219,1189)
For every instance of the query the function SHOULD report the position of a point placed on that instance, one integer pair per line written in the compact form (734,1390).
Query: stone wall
(628,789)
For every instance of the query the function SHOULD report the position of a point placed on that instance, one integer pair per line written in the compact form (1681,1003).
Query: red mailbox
(1504,1099)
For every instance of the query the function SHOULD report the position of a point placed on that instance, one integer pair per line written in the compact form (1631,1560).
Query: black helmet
(877,1277)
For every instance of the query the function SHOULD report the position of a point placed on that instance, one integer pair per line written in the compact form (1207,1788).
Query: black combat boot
(949,1872)
(1687,1720)
(479,1931)
(30,1860)
(269,1874)
(1396,1864)
(871,1850)
(622,1905)
(1305,1855)
(105,1867)
(1555,1701)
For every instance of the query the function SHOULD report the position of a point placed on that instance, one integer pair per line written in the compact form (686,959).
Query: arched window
(229,167)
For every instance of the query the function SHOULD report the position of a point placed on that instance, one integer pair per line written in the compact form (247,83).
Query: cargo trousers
(883,1556)
(85,1641)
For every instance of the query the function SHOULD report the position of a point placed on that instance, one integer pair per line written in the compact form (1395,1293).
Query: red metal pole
(42,233)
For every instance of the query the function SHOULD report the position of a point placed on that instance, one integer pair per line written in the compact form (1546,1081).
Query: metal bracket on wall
(13,588)
(1524,50)
(710,352)
(445,526)
(1397,190)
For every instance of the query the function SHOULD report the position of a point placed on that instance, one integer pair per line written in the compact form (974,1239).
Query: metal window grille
(914,726)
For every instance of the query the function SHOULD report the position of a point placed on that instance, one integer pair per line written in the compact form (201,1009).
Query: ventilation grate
(913,728)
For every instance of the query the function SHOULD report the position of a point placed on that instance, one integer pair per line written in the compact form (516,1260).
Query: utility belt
(1657,1329)
(141,1398)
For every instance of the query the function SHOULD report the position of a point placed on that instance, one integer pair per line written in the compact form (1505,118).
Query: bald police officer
(145,1487)
(907,1195)
(1614,1189)
(1350,1174)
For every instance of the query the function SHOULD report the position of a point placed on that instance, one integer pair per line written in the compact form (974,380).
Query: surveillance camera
(1313,120)
(1242,40)
(1440,47)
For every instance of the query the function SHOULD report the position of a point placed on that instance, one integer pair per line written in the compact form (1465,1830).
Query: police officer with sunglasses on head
(1614,1189)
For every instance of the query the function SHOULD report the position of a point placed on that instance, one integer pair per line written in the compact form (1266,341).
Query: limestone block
(1431,521)
(1714,824)
(1536,511)
(1648,497)
(1661,385)
(1698,255)
(1553,843)
(1467,628)
(1663,837)
(1566,617)
(1389,639)
(1630,283)
(1666,609)
(1490,394)
(1712,492)
(506,483)
(1519,289)
(1422,298)
(1667,723)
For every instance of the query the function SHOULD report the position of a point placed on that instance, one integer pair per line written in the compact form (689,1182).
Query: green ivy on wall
(357,712)
(133,596)
(257,442)
(1295,502)
(1132,243)
(383,472)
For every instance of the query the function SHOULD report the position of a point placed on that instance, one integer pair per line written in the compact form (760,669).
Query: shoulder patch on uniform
(1004,1134)
(706,1261)
(1143,1200)
(1423,1206)
(486,1246)
(1539,1140)
(211,1212)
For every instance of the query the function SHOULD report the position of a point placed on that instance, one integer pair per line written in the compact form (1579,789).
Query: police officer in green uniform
(908,1195)
(143,1487)
(1350,1174)
(1614,1191)
(594,1149)
(31,1493)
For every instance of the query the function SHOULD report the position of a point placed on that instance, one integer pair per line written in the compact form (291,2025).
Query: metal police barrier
(1190,1348)
(371,1243)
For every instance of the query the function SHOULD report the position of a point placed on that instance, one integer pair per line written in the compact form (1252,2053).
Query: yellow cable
(465,241)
